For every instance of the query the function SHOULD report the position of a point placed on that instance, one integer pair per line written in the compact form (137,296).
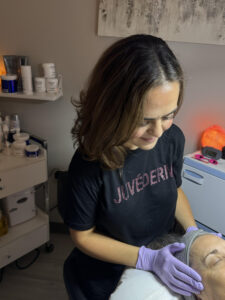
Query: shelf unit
(34,96)
(23,238)
(18,174)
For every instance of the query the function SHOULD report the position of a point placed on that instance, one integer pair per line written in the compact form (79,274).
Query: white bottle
(27,79)
(7,120)
(15,123)
(14,127)
(5,129)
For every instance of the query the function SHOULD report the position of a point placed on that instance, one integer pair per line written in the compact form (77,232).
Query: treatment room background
(65,32)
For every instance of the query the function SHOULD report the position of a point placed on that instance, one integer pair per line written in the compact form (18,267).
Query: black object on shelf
(223,153)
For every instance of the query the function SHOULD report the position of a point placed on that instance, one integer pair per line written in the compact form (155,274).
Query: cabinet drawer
(205,193)
(18,179)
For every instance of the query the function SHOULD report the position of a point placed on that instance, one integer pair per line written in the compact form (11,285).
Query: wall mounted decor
(194,21)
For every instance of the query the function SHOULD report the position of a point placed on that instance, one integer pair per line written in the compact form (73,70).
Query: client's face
(207,257)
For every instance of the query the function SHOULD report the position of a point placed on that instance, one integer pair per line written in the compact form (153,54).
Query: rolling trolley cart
(18,174)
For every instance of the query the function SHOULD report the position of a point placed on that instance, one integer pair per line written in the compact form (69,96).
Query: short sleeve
(83,194)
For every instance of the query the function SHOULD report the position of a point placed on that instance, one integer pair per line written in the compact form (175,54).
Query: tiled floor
(43,280)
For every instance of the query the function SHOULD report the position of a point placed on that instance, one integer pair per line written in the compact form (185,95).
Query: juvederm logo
(141,181)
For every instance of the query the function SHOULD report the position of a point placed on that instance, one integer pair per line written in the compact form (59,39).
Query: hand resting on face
(204,252)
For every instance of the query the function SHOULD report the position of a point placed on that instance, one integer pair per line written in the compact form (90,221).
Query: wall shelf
(34,96)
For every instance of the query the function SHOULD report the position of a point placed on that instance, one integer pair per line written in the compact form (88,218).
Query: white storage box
(20,207)
(204,185)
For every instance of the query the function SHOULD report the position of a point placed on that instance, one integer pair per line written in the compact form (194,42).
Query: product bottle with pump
(14,127)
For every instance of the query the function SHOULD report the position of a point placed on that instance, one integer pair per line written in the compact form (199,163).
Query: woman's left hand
(193,228)
(179,277)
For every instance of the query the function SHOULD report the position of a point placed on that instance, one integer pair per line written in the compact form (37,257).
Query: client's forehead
(206,243)
(207,253)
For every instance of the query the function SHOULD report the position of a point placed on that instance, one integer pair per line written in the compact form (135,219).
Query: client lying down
(204,252)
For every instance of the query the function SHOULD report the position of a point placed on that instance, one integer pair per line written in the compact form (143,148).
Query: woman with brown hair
(125,176)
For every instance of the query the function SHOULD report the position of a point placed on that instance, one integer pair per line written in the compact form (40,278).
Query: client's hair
(164,240)
(170,238)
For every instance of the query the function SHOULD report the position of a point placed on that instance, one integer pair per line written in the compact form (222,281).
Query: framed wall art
(194,21)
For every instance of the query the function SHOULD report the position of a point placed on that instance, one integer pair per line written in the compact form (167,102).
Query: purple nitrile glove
(192,228)
(179,277)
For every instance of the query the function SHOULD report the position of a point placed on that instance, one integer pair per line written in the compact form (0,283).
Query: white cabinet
(20,173)
(17,174)
(204,185)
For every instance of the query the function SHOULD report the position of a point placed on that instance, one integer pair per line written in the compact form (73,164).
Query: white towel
(142,285)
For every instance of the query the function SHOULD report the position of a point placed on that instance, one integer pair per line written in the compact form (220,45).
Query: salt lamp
(213,141)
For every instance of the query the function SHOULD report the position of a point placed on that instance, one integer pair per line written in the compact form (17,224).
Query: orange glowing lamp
(213,142)
(2,69)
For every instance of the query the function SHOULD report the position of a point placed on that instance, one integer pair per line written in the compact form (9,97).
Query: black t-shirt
(134,204)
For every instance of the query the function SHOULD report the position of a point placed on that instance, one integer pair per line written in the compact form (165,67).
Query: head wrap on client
(188,239)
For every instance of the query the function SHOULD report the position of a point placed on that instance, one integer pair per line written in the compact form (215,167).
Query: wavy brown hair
(110,108)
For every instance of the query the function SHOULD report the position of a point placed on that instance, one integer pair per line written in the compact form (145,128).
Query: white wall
(65,32)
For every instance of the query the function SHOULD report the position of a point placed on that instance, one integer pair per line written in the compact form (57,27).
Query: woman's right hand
(178,276)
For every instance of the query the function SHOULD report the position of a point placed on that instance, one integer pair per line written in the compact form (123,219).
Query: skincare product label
(52,85)
(39,85)
(49,70)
